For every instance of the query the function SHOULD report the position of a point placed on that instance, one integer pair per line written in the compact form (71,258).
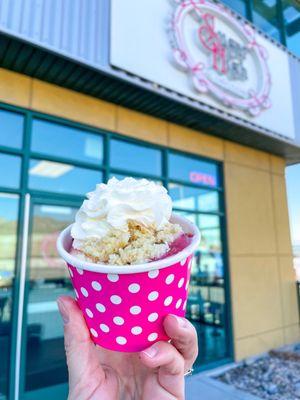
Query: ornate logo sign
(221,54)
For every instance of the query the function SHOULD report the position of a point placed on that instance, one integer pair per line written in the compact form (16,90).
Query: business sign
(201,50)
(202,178)
(222,60)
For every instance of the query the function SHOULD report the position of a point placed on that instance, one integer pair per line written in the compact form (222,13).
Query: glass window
(209,226)
(10,167)
(291,13)
(11,134)
(63,141)
(206,301)
(9,205)
(62,178)
(135,158)
(193,170)
(237,5)
(45,357)
(265,17)
(194,199)
(293,196)
(121,176)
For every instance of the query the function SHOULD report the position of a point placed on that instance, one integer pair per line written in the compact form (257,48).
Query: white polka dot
(187,284)
(96,286)
(168,300)
(80,271)
(115,299)
(152,336)
(181,282)
(89,313)
(152,317)
(84,292)
(182,262)
(100,307)
(104,328)
(76,293)
(153,296)
(113,277)
(136,330)
(118,320)
(184,305)
(153,274)
(135,310)
(190,264)
(71,272)
(93,332)
(121,340)
(170,279)
(178,303)
(134,288)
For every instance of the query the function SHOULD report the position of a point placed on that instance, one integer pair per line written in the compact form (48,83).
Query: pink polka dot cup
(124,306)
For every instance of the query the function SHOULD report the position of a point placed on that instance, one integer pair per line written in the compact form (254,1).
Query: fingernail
(181,321)
(151,352)
(63,311)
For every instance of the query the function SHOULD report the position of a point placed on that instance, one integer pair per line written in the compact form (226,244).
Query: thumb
(81,352)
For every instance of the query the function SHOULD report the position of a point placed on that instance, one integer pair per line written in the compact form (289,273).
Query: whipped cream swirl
(111,206)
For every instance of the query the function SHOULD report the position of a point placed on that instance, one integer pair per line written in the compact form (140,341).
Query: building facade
(70,119)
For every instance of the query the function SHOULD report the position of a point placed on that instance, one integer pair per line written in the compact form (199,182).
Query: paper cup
(124,306)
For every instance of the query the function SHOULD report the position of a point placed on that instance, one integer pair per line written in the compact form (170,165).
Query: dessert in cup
(130,261)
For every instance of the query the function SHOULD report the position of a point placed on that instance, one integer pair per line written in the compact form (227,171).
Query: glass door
(43,356)
(9,209)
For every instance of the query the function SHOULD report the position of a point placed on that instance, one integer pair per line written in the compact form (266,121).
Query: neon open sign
(202,178)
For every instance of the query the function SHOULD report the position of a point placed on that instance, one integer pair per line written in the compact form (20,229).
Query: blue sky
(293,192)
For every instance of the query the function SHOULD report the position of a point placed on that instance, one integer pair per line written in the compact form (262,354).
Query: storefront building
(83,97)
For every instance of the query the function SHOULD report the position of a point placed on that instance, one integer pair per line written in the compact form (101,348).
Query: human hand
(156,373)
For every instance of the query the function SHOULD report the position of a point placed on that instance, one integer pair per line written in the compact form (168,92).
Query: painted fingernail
(151,351)
(63,311)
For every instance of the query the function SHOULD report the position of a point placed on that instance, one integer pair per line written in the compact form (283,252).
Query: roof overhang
(116,86)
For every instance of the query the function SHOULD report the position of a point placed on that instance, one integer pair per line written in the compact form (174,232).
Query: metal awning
(117,87)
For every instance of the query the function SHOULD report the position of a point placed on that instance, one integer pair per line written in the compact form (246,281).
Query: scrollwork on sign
(224,67)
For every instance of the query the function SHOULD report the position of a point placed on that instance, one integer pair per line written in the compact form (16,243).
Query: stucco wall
(264,302)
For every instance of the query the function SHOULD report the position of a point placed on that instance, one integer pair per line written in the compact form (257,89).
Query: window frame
(26,154)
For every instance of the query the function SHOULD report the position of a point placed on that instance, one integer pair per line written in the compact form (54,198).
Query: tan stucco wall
(264,302)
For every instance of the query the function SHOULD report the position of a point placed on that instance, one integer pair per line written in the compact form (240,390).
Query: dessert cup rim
(187,226)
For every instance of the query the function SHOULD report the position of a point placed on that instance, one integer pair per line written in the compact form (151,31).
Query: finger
(81,356)
(184,338)
(170,364)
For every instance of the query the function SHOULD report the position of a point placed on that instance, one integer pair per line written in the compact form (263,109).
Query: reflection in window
(237,5)
(12,167)
(194,199)
(206,301)
(292,173)
(193,170)
(62,178)
(291,14)
(121,176)
(265,17)
(8,240)
(209,226)
(45,358)
(48,221)
(135,158)
(11,129)
(63,141)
